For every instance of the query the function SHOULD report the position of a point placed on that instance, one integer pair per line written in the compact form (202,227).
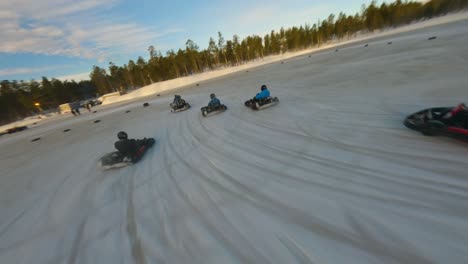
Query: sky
(64,38)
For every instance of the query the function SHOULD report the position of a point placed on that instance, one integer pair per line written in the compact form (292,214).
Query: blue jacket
(263,94)
(214,103)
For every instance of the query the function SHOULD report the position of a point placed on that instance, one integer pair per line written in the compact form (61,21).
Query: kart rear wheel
(432,127)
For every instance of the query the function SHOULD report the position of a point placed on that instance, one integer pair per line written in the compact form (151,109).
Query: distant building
(68,107)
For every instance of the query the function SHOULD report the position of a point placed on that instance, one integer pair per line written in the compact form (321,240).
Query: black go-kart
(181,107)
(117,160)
(262,103)
(206,111)
(433,122)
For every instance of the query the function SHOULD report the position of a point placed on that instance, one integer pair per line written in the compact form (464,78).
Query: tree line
(17,98)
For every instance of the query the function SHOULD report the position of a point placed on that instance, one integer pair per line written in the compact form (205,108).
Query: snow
(329,175)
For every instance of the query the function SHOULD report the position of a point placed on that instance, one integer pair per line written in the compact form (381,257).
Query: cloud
(49,9)
(74,28)
(17,71)
(76,77)
(5,14)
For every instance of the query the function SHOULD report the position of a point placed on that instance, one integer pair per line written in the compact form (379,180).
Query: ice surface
(329,175)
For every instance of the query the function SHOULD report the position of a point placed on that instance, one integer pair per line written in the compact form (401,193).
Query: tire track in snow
(77,243)
(243,253)
(135,242)
(395,253)
(296,250)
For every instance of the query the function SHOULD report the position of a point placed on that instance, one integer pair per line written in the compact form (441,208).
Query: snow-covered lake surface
(329,175)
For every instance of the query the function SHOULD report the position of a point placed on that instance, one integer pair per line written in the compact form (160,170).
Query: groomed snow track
(329,175)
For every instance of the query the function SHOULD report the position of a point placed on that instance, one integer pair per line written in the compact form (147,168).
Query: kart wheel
(435,124)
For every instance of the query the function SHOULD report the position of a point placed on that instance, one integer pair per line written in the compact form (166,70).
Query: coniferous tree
(98,76)
(221,47)
(193,54)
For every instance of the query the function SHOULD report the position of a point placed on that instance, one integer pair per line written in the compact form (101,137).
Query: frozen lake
(329,175)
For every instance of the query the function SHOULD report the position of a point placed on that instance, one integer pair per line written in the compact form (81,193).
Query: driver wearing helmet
(178,101)
(127,147)
(458,115)
(263,94)
(214,103)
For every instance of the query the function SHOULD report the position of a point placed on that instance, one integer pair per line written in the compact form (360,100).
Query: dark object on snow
(97,121)
(66,130)
(16,129)
(198,84)
(310,56)
(94,112)
(282,62)
(432,38)
(128,111)
(179,107)
(246,71)
(434,121)
(208,110)
(367,45)
(336,50)
(262,103)
(36,139)
(145,104)
(389,43)
(34,123)
(158,95)
(118,160)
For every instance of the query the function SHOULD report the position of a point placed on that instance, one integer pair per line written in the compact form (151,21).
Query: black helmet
(212,96)
(122,135)
(263,87)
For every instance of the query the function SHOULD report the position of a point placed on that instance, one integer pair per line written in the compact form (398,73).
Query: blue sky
(65,38)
